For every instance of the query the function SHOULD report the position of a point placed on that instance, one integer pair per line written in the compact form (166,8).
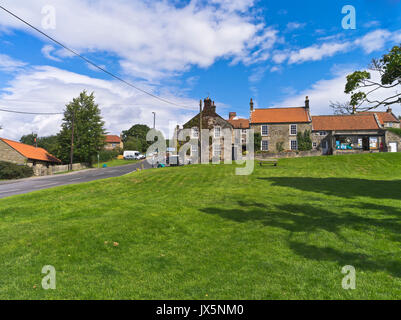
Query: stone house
(337,134)
(360,132)
(113,142)
(39,159)
(279,127)
(212,121)
(241,124)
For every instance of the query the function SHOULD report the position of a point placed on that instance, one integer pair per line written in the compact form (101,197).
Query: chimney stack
(213,107)
(232,115)
(251,104)
(389,110)
(307,102)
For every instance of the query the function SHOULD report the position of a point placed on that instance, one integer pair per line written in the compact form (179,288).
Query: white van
(131,155)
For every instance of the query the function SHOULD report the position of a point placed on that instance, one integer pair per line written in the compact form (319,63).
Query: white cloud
(48,89)
(47,50)
(295,25)
(373,41)
(325,90)
(152,38)
(317,52)
(9,64)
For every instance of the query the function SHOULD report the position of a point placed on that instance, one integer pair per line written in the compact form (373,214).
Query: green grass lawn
(201,232)
(115,163)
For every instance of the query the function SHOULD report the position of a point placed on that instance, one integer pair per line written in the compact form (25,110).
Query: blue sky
(273,51)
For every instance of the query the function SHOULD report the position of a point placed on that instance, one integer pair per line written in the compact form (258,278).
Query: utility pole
(154,120)
(200,131)
(72,140)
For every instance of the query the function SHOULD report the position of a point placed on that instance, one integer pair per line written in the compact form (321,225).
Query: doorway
(365,143)
(392,147)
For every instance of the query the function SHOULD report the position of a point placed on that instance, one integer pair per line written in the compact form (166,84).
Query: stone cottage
(113,142)
(37,158)
(360,132)
(279,127)
(215,124)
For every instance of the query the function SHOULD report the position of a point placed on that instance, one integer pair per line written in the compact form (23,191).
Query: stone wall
(64,168)
(8,154)
(280,133)
(392,137)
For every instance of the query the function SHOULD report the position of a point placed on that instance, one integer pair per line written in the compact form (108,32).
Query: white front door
(393,146)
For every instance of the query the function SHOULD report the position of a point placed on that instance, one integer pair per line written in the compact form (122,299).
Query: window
(293,129)
(242,141)
(265,145)
(217,150)
(314,145)
(243,131)
(322,133)
(265,130)
(195,133)
(389,124)
(194,150)
(294,145)
(324,144)
(217,132)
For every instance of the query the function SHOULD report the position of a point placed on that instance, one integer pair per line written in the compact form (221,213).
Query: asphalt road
(13,187)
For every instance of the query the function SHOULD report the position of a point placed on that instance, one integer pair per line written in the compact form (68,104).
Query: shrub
(13,171)
(280,146)
(107,155)
(304,141)
(395,130)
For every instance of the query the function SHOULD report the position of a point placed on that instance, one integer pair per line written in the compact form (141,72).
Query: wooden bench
(272,161)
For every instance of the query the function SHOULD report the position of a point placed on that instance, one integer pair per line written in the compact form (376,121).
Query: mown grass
(116,163)
(201,232)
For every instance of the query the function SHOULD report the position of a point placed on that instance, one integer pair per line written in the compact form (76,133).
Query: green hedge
(395,130)
(14,171)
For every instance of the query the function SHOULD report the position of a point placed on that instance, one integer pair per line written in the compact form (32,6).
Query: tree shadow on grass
(308,219)
(342,187)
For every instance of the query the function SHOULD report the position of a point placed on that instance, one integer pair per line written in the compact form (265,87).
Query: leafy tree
(134,143)
(135,138)
(29,139)
(361,87)
(49,143)
(304,141)
(257,140)
(88,129)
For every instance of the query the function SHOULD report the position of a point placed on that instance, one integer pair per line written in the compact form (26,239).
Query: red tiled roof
(239,123)
(345,122)
(113,139)
(280,115)
(31,152)
(382,116)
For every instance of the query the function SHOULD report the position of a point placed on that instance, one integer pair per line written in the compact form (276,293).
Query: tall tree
(363,88)
(84,114)
(135,138)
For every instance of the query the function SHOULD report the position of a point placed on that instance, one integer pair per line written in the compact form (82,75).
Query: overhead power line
(90,62)
(35,113)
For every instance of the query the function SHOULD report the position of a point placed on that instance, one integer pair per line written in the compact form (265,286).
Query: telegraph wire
(90,62)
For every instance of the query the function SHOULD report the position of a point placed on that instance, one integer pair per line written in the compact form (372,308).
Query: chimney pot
(307,102)
(251,104)
(389,110)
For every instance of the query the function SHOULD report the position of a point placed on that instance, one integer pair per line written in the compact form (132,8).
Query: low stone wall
(338,152)
(63,168)
(291,154)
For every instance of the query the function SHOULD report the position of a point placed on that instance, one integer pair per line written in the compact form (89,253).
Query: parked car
(140,156)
